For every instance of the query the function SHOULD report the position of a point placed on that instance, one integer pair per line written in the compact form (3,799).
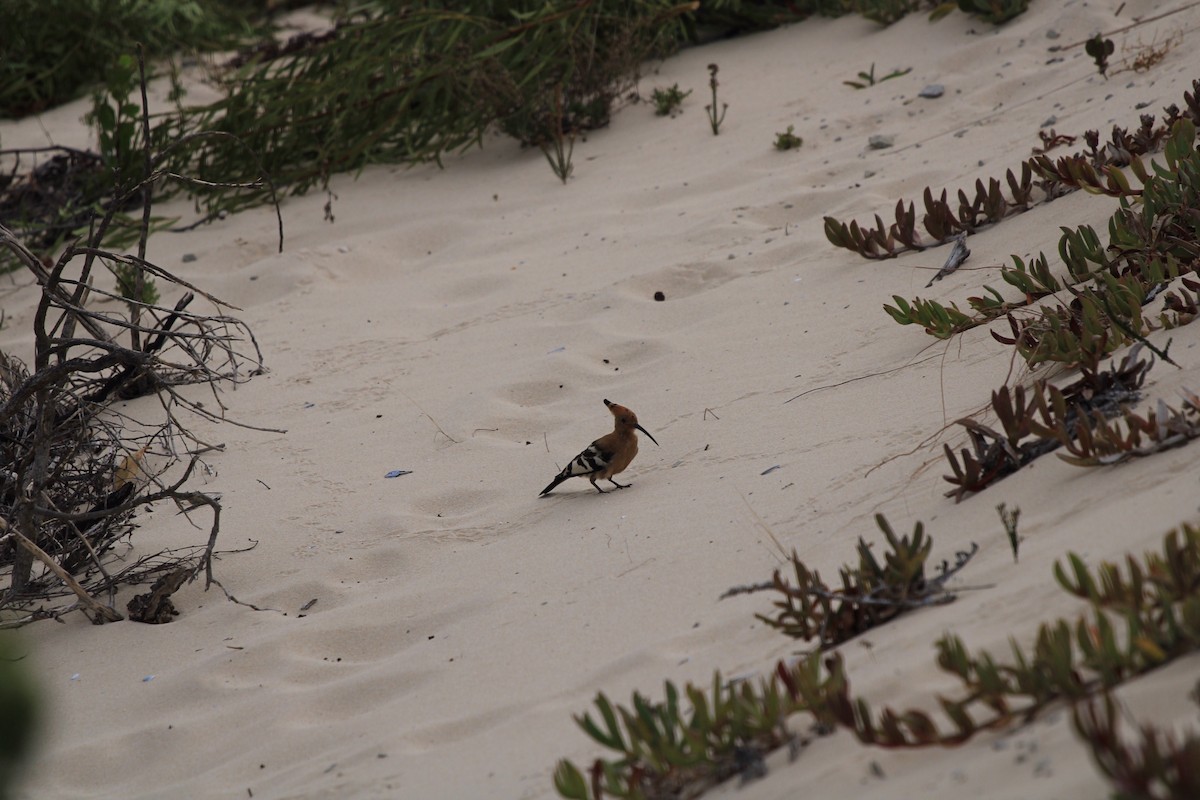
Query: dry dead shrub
(73,467)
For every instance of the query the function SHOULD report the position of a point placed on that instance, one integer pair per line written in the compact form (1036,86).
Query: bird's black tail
(562,476)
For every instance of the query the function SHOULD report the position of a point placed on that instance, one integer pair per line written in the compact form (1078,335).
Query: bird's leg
(619,485)
(598,489)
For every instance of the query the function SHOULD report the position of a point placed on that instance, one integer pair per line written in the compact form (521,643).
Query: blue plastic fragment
(396,473)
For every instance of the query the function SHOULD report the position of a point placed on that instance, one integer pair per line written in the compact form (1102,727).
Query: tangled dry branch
(74,467)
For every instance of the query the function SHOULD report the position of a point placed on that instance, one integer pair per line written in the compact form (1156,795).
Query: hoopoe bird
(608,455)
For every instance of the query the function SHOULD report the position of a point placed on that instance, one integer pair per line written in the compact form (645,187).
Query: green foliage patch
(1148,764)
(788,140)
(867,78)
(871,594)
(668,100)
(383,84)
(1138,619)
(50,50)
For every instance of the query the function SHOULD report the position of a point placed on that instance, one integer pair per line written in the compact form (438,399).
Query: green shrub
(52,50)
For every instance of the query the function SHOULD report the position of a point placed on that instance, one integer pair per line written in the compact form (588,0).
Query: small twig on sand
(858,378)
(431,419)
(102,612)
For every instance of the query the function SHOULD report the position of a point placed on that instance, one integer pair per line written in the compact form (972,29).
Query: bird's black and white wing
(592,461)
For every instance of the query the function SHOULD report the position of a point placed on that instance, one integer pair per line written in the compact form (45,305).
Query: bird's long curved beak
(643,430)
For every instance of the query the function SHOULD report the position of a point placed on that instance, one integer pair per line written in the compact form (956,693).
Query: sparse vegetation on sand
(1148,614)
(667,101)
(1138,619)
(301,110)
(293,113)
(872,594)
(666,750)
(1150,254)
(75,468)
(715,115)
(290,114)
(788,140)
(867,78)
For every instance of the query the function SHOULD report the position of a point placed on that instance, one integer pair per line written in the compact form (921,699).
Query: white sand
(461,620)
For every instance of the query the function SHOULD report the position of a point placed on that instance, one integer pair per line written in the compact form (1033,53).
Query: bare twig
(102,612)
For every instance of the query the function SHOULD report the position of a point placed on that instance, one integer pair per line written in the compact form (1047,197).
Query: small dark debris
(659,296)
(749,763)
(155,606)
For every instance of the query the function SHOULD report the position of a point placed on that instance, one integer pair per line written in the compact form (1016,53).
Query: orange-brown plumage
(608,455)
